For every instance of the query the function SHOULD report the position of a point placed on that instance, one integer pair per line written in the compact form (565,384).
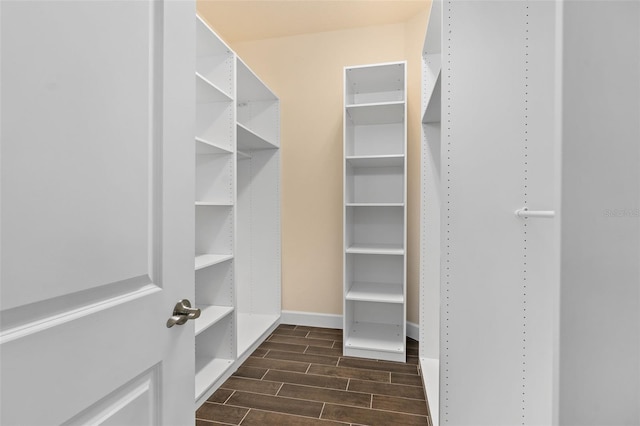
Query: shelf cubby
(215,353)
(374,184)
(374,139)
(374,225)
(214,230)
(215,126)
(382,83)
(214,59)
(375,330)
(215,178)
(258,109)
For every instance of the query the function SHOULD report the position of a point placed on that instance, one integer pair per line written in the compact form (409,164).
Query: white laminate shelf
(251,327)
(208,370)
(243,155)
(374,204)
(390,249)
(204,146)
(376,160)
(206,260)
(375,337)
(207,92)
(210,315)
(433,111)
(376,113)
(250,140)
(213,204)
(375,292)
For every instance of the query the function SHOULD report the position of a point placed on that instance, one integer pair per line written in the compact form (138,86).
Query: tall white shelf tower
(375,182)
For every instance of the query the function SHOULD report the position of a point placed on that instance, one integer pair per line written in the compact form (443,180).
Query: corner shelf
(250,140)
(207,92)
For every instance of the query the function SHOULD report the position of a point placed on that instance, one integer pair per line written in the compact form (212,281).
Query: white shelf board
(243,155)
(375,292)
(213,204)
(377,113)
(374,204)
(204,146)
(210,315)
(375,337)
(251,327)
(250,140)
(206,260)
(433,113)
(207,92)
(208,370)
(393,249)
(376,160)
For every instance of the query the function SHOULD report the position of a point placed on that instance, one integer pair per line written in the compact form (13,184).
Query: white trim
(315,319)
(311,319)
(413,330)
(430,369)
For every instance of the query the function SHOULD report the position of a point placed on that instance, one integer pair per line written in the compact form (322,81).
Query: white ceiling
(242,20)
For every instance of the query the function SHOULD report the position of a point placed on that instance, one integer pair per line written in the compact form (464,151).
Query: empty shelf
(248,139)
(376,292)
(376,160)
(207,92)
(205,260)
(204,146)
(377,113)
(394,249)
(375,204)
(375,337)
(209,315)
(213,204)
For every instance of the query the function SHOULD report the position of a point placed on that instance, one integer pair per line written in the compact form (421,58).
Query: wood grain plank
(276,404)
(365,416)
(309,393)
(306,379)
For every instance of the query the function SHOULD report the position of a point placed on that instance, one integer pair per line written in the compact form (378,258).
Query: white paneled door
(97,110)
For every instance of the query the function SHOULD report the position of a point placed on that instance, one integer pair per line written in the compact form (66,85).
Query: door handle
(182,313)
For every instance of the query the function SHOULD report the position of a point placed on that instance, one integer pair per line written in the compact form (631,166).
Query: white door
(97,212)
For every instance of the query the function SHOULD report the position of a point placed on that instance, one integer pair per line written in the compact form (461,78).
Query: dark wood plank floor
(298,376)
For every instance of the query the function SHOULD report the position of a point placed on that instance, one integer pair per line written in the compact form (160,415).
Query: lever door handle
(182,313)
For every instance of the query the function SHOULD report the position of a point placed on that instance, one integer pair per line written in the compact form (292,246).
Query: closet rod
(524,212)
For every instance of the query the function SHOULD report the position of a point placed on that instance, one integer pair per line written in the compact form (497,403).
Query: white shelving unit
(430,211)
(215,199)
(258,209)
(237,207)
(374,211)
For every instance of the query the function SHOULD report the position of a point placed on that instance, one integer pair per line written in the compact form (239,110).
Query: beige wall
(305,71)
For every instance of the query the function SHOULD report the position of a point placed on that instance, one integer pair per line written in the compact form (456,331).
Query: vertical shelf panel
(375,211)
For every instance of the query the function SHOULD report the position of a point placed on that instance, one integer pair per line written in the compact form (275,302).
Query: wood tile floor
(298,376)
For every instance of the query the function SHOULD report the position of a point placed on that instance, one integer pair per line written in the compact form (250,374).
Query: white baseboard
(313,319)
(413,330)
